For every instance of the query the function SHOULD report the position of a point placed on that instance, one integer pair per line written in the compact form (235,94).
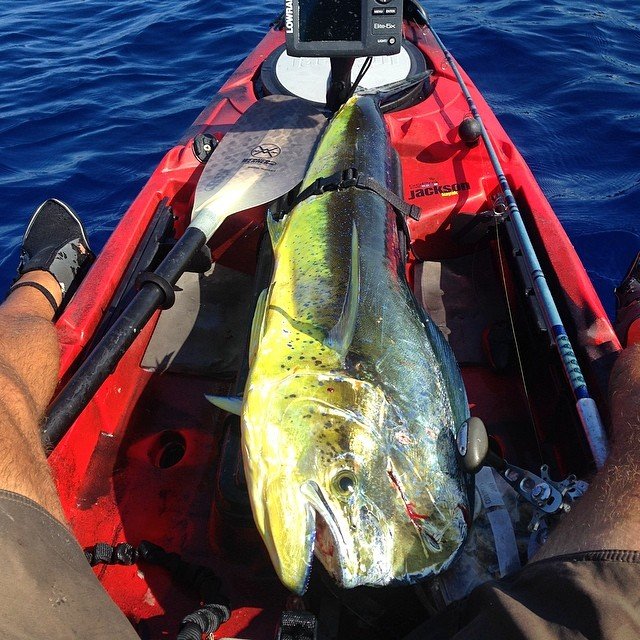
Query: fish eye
(344,484)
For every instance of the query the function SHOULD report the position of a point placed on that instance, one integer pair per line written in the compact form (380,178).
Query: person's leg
(608,516)
(29,361)
(627,324)
(55,254)
(48,588)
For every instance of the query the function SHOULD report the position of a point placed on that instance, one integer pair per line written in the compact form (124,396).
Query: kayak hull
(149,459)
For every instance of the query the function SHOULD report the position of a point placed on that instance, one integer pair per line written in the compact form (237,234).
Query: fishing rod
(585,405)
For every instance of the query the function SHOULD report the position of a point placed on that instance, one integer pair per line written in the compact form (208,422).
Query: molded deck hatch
(307,77)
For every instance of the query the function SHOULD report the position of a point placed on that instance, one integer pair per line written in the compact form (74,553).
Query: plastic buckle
(322,185)
(349,178)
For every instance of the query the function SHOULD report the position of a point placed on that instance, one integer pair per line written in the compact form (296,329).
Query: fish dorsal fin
(257,325)
(340,337)
(230,404)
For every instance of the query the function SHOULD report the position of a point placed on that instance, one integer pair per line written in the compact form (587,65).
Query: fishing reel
(546,496)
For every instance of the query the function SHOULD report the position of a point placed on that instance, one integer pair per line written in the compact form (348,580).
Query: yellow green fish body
(353,400)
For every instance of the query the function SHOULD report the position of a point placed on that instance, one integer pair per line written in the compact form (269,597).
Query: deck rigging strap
(585,405)
(352,179)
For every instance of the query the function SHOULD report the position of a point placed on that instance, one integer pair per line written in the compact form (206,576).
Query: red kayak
(150,459)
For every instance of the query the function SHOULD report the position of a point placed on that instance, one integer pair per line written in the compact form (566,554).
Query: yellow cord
(515,340)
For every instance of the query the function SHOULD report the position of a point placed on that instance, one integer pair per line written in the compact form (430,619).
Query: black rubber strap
(162,284)
(349,178)
(43,290)
(407,210)
(297,625)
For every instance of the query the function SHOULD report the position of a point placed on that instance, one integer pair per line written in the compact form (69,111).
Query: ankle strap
(43,290)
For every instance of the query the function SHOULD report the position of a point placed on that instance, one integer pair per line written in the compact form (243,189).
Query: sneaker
(56,241)
(628,300)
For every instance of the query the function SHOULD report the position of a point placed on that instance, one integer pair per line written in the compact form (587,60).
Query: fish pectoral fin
(290,531)
(276,229)
(340,337)
(257,325)
(230,404)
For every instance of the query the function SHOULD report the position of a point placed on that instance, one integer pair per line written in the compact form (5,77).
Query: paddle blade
(262,157)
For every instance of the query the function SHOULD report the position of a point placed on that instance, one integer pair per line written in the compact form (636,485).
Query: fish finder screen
(332,20)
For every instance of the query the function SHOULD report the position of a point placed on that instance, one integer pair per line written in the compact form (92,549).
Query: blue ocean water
(92,93)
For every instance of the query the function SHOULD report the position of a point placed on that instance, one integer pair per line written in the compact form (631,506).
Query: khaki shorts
(48,590)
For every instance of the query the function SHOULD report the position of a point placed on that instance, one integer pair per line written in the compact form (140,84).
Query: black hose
(202,580)
(206,620)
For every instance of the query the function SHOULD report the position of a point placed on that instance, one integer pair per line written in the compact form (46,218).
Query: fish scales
(352,403)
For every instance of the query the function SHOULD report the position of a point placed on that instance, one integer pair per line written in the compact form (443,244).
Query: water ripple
(93,92)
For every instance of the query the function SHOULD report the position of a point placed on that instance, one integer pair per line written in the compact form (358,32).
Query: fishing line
(365,67)
(515,341)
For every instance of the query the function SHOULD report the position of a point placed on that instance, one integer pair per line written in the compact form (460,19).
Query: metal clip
(500,208)
(545,495)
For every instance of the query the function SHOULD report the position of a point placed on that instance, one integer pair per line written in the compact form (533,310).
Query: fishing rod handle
(598,442)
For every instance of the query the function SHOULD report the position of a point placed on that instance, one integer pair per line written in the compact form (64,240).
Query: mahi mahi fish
(354,400)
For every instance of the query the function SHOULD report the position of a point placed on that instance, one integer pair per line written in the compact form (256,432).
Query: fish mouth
(312,491)
(342,552)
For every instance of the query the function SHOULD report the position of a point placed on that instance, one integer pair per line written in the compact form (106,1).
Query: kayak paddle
(261,158)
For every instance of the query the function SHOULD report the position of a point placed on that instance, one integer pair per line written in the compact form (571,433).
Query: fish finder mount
(342,31)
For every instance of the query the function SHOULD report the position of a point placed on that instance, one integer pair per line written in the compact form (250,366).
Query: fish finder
(343,28)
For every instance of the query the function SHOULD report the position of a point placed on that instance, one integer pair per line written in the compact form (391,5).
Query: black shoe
(628,300)
(55,241)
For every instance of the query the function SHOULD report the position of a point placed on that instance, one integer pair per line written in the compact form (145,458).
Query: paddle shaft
(585,405)
(103,359)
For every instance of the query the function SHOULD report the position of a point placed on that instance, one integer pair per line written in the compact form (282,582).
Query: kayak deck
(150,459)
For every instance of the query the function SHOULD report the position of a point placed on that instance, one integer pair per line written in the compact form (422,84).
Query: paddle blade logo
(266,151)
(262,156)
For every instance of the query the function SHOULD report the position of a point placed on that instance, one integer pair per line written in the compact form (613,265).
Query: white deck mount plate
(307,77)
